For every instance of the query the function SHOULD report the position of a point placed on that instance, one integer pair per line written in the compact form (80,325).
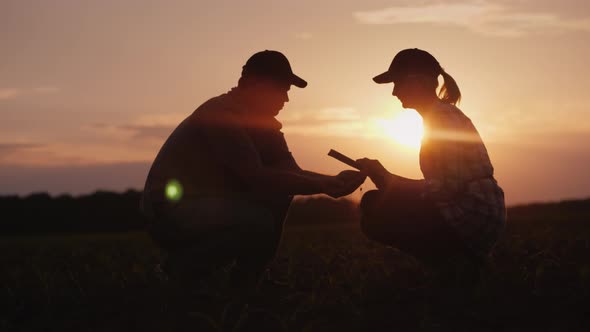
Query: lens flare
(405,128)
(173,190)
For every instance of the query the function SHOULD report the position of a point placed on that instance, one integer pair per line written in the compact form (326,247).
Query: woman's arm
(383,179)
(404,184)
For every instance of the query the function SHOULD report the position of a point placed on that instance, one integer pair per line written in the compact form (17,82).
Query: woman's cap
(274,65)
(409,61)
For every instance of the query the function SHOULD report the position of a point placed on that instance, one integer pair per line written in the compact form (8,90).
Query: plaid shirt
(460,178)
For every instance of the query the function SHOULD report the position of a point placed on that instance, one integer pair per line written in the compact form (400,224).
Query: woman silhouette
(458,209)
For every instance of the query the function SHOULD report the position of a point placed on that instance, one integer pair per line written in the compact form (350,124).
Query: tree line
(104,211)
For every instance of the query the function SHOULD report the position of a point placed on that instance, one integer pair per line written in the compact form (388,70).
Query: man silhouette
(220,187)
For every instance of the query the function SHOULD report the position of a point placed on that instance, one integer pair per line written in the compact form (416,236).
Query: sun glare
(405,128)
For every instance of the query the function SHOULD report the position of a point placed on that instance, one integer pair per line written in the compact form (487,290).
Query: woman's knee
(367,227)
(370,201)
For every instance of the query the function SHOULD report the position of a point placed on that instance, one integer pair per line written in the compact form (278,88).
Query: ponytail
(449,93)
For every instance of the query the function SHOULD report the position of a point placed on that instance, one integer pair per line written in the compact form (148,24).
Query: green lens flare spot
(173,190)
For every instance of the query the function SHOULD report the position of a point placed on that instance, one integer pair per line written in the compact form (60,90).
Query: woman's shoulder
(449,113)
(447,109)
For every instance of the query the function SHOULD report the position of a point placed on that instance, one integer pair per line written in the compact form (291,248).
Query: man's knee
(256,223)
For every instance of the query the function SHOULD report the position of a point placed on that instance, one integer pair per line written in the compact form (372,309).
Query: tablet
(342,158)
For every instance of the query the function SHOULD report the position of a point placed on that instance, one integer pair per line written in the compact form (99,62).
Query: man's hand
(352,180)
(343,184)
(376,172)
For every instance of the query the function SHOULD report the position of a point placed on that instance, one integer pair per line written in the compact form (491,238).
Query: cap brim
(385,77)
(298,81)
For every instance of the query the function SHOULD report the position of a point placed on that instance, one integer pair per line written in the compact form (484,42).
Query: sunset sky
(89,90)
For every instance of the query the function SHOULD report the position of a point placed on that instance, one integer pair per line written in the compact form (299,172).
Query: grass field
(325,278)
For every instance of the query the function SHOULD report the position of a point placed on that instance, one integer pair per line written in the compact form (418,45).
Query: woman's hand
(376,172)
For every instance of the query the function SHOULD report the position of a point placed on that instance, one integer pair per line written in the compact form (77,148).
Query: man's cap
(274,65)
(409,61)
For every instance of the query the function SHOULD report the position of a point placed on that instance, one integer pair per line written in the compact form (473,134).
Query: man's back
(203,150)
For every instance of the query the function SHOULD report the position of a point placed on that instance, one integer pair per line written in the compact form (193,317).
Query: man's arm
(291,164)
(232,147)
(348,181)
(351,179)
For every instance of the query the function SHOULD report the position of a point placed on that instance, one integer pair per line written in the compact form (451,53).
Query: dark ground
(325,278)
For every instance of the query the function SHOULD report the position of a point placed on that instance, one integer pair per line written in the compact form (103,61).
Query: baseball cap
(409,61)
(272,64)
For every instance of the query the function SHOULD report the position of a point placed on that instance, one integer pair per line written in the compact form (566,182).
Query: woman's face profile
(411,90)
(405,89)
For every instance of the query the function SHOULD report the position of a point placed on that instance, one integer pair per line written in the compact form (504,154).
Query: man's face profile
(270,96)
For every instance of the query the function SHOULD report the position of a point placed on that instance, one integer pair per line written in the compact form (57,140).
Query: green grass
(328,278)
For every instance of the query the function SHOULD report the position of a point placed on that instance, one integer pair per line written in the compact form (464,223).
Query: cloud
(46,89)
(322,116)
(160,119)
(331,122)
(338,114)
(146,126)
(147,132)
(9,148)
(9,93)
(303,35)
(24,154)
(480,16)
(132,131)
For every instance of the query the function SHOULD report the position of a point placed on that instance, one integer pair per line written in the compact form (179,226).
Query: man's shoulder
(217,110)
(224,102)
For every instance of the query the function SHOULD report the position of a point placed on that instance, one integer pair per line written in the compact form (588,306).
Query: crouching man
(220,187)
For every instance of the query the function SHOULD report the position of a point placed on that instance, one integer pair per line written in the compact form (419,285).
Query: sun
(405,128)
